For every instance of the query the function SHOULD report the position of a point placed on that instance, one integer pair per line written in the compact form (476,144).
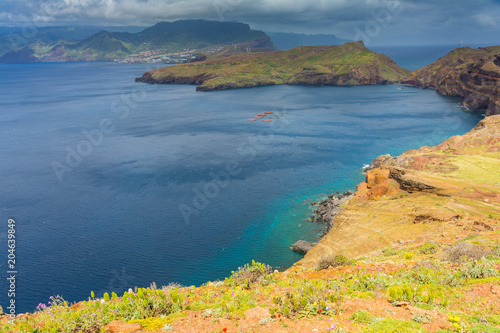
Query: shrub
(390,251)
(428,248)
(172,285)
(495,253)
(362,317)
(483,329)
(393,326)
(430,293)
(408,255)
(334,261)
(249,274)
(478,270)
(465,251)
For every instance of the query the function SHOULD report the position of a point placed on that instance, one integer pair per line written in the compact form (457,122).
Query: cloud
(417,20)
(485,19)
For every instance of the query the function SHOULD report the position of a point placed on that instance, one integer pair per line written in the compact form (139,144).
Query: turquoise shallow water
(126,210)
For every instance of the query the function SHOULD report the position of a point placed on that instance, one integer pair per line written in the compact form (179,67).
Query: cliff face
(347,64)
(473,74)
(428,193)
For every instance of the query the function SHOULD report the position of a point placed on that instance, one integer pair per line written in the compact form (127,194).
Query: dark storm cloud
(422,21)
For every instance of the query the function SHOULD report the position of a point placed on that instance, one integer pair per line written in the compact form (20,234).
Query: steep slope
(473,74)
(431,192)
(100,46)
(25,54)
(347,64)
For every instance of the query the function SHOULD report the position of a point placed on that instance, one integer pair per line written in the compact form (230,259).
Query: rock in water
(302,246)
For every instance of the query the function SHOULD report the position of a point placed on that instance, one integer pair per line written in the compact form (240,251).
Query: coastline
(425,193)
(395,187)
(324,214)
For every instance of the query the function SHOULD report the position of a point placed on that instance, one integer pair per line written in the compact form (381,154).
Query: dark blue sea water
(98,171)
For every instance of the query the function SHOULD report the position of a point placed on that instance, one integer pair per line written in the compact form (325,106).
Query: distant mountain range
(162,39)
(286,41)
(13,38)
(163,42)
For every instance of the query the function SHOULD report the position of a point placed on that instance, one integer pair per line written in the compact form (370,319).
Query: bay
(115,184)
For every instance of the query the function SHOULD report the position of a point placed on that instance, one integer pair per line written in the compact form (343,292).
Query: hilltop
(158,41)
(347,64)
(473,74)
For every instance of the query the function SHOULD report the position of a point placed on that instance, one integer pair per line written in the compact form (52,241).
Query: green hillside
(162,38)
(347,64)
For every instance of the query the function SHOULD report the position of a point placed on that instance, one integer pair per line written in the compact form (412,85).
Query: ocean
(115,184)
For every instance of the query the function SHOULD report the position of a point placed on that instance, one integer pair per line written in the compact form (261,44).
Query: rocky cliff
(473,74)
(428,193)
(347,64)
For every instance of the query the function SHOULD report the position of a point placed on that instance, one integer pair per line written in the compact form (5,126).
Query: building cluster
(159,56)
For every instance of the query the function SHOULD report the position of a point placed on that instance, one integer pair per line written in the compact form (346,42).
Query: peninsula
(348,64)
(472,74)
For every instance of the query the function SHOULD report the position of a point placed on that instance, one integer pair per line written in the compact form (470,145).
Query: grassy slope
(348,64)
(404,288)
(464,172)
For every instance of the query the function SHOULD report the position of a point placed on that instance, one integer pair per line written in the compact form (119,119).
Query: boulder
(302,246)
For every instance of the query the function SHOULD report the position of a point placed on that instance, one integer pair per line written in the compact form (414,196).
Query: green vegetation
(334,261)
(300,294)
(393,326)
(162,38)
(347,64)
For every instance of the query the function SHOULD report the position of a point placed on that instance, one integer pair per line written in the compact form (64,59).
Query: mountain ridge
(162,38)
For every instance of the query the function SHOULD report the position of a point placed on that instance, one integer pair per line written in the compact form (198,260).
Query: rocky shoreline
(426,193)
(471,74)
(324,214)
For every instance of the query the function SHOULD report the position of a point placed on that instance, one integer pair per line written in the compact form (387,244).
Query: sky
(377,22)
